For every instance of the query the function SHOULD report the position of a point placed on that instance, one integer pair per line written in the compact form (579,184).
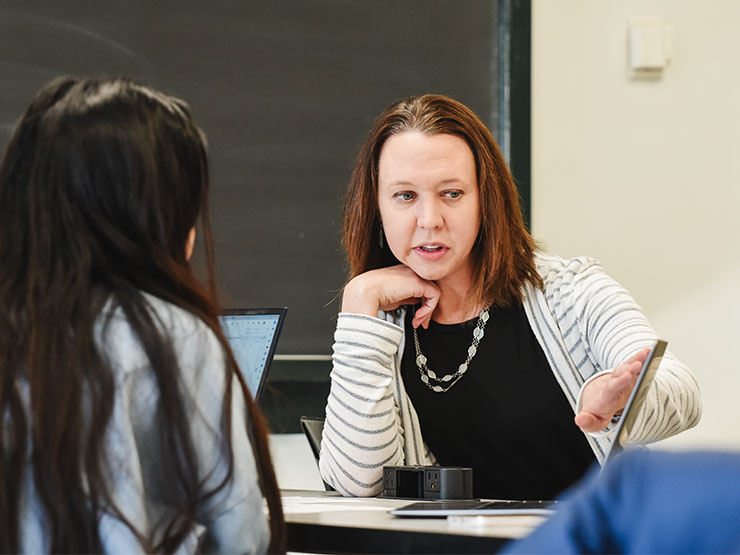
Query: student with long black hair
(125,423)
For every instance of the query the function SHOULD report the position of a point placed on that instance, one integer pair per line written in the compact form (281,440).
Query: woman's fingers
(389,288)
(423,314)
(632,368)
(589,422)
(640,356)
(607,395)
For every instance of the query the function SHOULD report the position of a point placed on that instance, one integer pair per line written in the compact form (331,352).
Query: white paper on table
(298,504)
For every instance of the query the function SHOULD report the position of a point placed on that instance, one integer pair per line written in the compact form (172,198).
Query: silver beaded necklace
(450,379)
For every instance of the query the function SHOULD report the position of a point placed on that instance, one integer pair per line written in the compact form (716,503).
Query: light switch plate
(649,44)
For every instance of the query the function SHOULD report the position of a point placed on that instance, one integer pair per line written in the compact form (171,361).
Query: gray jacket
(584,321)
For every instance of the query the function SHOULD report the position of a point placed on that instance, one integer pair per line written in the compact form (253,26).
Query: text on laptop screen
(251,337)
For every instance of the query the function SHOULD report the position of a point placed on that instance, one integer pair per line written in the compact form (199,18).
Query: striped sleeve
(613,327)
(362,431)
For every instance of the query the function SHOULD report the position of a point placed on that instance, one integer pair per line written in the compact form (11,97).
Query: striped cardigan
(584,321)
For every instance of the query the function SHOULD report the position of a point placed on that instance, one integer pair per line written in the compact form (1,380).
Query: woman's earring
(380,239)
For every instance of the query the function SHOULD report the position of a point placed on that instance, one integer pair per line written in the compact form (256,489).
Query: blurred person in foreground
(126,426)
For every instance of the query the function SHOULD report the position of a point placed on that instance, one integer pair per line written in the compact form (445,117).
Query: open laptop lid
(253,335)
(636,400)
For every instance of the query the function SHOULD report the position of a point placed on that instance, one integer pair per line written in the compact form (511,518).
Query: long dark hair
(503,254)
(99,187)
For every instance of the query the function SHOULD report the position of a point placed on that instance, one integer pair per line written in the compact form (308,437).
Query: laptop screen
(253,335)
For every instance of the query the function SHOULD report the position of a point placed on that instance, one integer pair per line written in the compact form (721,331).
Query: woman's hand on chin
(389,288)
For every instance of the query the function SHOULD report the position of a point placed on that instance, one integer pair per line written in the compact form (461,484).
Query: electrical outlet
(389,479)
(431,479)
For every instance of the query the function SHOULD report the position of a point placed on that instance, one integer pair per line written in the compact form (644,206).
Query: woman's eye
(405,195)
(453,194)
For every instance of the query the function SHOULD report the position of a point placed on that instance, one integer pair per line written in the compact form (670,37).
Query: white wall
(645,175)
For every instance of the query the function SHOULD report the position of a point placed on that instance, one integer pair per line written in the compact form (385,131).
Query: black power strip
(428,482)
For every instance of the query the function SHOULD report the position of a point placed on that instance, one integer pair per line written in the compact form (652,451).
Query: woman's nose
(429,215)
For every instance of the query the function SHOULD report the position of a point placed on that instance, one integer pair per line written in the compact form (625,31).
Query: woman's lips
(430,252)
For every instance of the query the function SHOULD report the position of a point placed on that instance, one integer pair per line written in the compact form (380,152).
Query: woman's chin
(442,275)
(428,274)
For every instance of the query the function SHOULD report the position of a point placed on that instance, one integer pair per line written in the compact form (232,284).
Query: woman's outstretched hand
(607,395)
(389,288)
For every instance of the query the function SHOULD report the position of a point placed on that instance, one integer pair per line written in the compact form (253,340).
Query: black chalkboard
(285,90)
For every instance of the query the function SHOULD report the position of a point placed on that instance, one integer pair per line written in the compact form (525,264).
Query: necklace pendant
(427,374)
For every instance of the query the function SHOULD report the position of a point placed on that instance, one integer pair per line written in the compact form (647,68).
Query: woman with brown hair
(126,426)
(458,342)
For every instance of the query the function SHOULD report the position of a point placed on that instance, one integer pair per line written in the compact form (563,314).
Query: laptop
(474,507)
(253,335)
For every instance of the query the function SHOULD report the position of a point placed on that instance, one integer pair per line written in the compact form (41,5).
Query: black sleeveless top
(507,417)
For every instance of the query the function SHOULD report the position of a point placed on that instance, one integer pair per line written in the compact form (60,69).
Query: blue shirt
(235,519)
(648,502)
